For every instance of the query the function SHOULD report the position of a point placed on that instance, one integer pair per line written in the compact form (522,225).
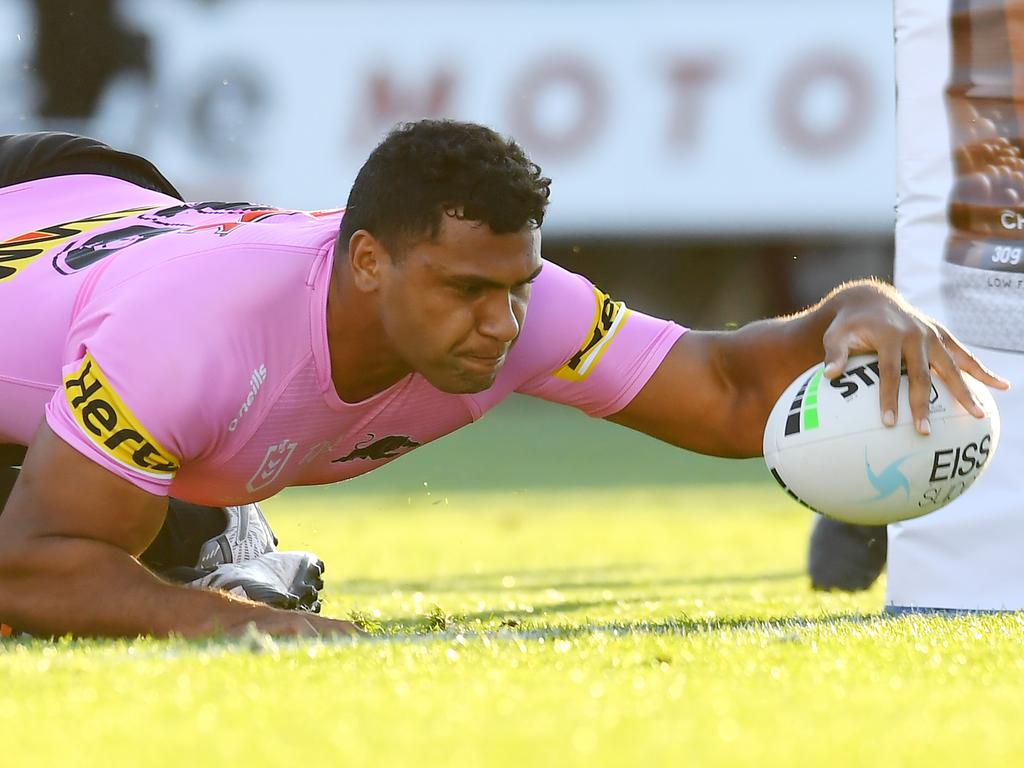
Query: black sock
(8,475)
(186,529)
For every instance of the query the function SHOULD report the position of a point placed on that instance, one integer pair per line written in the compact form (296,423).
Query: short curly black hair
(423,169)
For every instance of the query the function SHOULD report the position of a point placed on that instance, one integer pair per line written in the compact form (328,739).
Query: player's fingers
(837,352)
(950,373)
(307,628)
(281,624)
(295,625)
(889,384)
(336,627)
(969,363)
(919,379)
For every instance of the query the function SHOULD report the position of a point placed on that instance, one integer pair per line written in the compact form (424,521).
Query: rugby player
(216,353)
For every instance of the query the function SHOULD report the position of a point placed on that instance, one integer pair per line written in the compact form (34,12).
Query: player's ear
(366,254)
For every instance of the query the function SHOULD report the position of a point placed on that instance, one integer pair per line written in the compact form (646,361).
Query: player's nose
(497,319)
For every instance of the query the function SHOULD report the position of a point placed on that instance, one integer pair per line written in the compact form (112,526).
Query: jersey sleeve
(138,392)
(581,347)
(90,414)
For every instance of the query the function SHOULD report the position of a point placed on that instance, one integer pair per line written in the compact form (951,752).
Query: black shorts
(10,456)
(31,156)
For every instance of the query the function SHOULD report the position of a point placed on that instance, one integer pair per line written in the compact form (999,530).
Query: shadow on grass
(523,613)
(560,579)
(785,627)
(510,617)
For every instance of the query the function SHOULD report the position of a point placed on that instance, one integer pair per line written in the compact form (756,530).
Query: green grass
(538,624)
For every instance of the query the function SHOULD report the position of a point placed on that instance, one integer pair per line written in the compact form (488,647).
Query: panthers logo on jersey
(18,252)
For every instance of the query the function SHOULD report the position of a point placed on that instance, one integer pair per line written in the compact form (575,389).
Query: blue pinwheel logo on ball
(889,480)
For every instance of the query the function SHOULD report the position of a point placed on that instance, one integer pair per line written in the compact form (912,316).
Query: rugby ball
(826,445)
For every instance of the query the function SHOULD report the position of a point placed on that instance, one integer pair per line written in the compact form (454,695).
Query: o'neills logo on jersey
(111,426)
(256,380)
(609,318)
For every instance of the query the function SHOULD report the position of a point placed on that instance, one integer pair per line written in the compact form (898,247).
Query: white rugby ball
(826,445)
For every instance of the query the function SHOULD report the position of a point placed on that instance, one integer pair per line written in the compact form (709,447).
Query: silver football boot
(244,561)
(247,536)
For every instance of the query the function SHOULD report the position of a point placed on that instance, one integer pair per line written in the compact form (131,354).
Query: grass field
(592,600)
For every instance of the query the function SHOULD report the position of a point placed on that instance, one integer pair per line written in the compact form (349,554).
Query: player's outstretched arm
(714,391)
(68,537)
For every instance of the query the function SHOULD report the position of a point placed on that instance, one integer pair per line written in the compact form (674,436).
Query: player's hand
(334,627)
(292,624)
(873,317)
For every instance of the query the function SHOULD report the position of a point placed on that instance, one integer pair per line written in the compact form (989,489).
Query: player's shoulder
(582,347)
(558,291)
(181,338)
(567,317)
(201,261)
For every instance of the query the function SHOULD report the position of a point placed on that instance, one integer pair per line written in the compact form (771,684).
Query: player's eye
(468,290)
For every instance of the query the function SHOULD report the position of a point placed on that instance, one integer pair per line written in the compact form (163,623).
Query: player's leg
(845,556)
(185,532)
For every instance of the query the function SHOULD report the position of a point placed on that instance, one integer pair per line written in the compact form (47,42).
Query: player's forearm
(714,391)
(60,585)
(761,359)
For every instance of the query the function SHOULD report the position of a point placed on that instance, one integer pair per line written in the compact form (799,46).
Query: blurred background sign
(653,118)
(713,161)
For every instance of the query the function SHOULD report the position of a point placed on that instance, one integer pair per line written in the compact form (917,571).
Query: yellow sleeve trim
(609,317)
(110,424)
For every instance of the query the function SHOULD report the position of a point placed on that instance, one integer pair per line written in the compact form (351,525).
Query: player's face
(453,307)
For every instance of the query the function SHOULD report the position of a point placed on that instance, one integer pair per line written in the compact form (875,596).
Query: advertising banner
(653,118)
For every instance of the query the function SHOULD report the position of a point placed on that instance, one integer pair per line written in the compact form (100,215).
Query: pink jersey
(184,346)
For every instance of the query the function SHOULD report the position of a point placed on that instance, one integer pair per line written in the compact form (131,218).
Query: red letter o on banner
(847,128)
(526,99)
